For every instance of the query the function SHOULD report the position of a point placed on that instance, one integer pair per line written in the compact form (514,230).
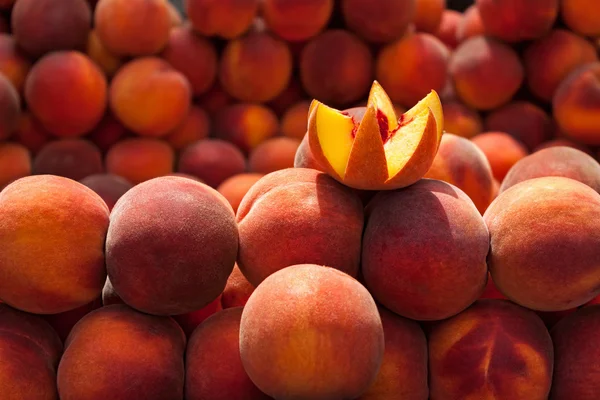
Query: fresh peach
(471,24)
(15,163)
(215,99)
(448,28)
(461,120)
(71,158)
(246,125)
(308,207)
(51,244)
(428,15)
(97,52)
(411,67)
(109,187)
(235,187)
(294,122)
(108,132)
(190,321)
(305,158)
(290,341)
(10,108)
(227,19)
(237,290)
(181,268)
(140,159)
(193,56)
(14,65)
(150,97)
(530,242)
(336,67)
(502,151)
(550,59)
(196,126)
(256,67)
(43,26)
(293,94)
(64,322)
(581,16)
(493,350)
(381,21)
(72,105)
(30,133)
(273,154)
(296,20)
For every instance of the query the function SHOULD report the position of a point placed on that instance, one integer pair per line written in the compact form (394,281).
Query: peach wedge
(370,147)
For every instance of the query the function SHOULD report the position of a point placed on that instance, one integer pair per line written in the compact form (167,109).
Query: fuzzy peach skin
(304,157)
(256,67)
(461,163)
(124,32)
(14,64)
(407,221)
(237,290)
(461,120)
(293,216)
(196,126)
(140,159)
(564,142)
(108,186)
(531,241)
(428,15)
(30,133)
(190,321)
(71,158)
(298,327)
(576,102)
(551,58)
(181,268)
(246,125)
(72,105)
(273,154)
(517,20)
(336,67)
(493,350)
(150,97)
(403,372)
(296,20)
(471,24)
(501,150)
(227,19)
(10,108)
(446,32)
(556,161)
(411,67)
(108,132)
(235,187)
(118,353)
(581,16)
(216,343)
(381,21)
(52,244)
(97,52)
(44,26)
(576,349)
(294,121)
(193,56)
(30,350)
(486,72)
(64,322)
(15,163)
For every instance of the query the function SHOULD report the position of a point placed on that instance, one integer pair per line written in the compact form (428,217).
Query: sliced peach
(370,147)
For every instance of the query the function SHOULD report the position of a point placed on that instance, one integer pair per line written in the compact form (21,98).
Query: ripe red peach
(428,15)
(381,21)
(215,99)
(98,53)
(108,132)
(471,24)
(246,125)
(448,28)
(502,151)
(15,163)
(14,65)
(235,187)
(64,322)
(71,158)
(296,20)
(273,155)
(140,159)
(291,95)
(109,187)
(294,121)
(10,108)
(461,120)
(227,19)
(305,158)
(196,126)
(581,17)
(237,290)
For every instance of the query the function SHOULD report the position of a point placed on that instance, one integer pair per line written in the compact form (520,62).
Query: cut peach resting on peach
(371,147)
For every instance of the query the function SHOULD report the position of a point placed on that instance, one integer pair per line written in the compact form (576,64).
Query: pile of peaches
(299,199)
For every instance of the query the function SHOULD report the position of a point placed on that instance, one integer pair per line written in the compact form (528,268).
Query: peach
(486,72)
(51,244)
(428,15)
(550,59)
(140,159)
(403,373)
(237,290)
(523,120)
(10,108)
(576,346)
(227,19)
(502,151)
(190,321)
(576,102)
(196,126)
(448,28)
(108,132)
(97,52)
(411,67)
(64,322)
(294,122)
(555,161)
(212,160)
(564,142)
(30,349)
(73,105)
(494,349)
(371,148)
(14,65)
(581,17)
(150,97)
(461,120)
(246,125)
(516,20)
(181,268)
(109,187)
(217,342)
(291,95)
(194,56)
(381,21)
(296,20)
(305,158)
(273,154)
(124,33)
(71,158)
(461,163)
(403,284)
(308,207)
(44,26)
(215,99)
(336,67)
(118,353)
(525,261)
(256,67)
(235,187)
(30,133)
(471,24)
(15,163)
(290,341)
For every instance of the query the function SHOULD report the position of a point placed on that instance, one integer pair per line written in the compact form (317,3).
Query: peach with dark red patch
(15,163)
(501,150)
(109,187)
(71,158)
(140,159)
(246,125)
(224,18)
(381,21)
(235,187)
